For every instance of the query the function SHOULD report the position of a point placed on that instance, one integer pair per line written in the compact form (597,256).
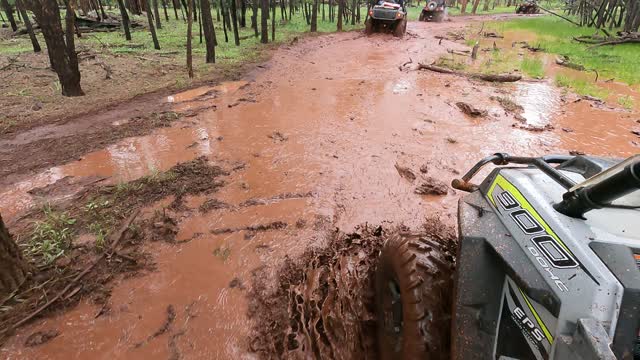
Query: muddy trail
(336,135)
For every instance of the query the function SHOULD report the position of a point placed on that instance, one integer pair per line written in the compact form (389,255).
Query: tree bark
(234,19)
(225,20)
(340,14)
(254,16)
(314,16)
(156,14)
(243,14)
(13,267)
(475,6)
(176,5)
(27,24)
(125,19)
(164,7)
(209,30)
(353,12)
(273,20)
(9,11)
(62,55)
(264,28)
(463,8)
(152,29)
(104,15)
(189,26)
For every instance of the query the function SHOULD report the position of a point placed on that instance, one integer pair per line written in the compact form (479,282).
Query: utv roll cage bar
(577,200)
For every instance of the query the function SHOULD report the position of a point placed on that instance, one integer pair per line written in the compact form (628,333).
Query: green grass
(581,86)
(626,102)
(533,67)
(172,38)
(555,36)
(51,236)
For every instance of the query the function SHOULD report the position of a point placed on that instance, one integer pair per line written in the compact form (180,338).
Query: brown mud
(311,141)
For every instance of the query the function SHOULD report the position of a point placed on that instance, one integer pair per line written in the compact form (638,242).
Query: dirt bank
(324,138)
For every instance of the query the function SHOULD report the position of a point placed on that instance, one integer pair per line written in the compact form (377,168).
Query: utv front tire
(368,27)
(401,28)
(422,16)
(414,285)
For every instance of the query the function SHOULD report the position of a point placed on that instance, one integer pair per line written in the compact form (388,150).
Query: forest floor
(235,205)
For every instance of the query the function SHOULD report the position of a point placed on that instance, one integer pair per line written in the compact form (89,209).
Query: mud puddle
(334,131)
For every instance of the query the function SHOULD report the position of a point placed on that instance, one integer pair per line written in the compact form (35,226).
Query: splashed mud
(345,116)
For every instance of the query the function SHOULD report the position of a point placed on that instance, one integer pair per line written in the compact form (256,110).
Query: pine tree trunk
(353,12)
(234,19)
(156,14)
(463,8)
(314,16)
(243,14)
(62,55)
(475,6)
(209,30)
(273,20)
(104,15)
(176,5)
(164,7)
(254,17)
(152,29)
(9,11)
(189,26)
(264,28)
(27,24)
(125,19)
(340,14)
(225,20)
(13,268)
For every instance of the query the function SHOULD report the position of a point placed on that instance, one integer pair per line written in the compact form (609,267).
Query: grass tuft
(52,236)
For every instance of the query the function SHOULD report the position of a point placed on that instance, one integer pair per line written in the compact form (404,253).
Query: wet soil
(108,208)
(323,137)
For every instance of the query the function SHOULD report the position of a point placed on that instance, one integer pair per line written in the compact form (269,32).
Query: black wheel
(401,28)
(368,26)
(422,16)
(414,288)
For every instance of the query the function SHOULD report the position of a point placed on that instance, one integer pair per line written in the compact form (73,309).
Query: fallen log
(485,77)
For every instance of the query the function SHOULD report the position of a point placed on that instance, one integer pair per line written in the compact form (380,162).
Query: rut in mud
(323,303)
(328,135)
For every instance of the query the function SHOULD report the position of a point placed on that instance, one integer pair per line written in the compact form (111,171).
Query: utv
(548,267)
(435,10)
(389,16)
(528,8)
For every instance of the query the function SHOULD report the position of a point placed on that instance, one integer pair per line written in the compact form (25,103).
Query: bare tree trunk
(27,24)
(273,20)
(254,16)
(156,14)
(164,7)
(314,16)
(152,29)
(264,29)
(225,20)
(243,14)
(353,12)
(189,26)
(234,19)
(475,6)
(176,5)
(340,14)
(463,8)
(13,268)
(9,11)
(62,55)
(104,15)
(125,19)
(209,30)
(485,7)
